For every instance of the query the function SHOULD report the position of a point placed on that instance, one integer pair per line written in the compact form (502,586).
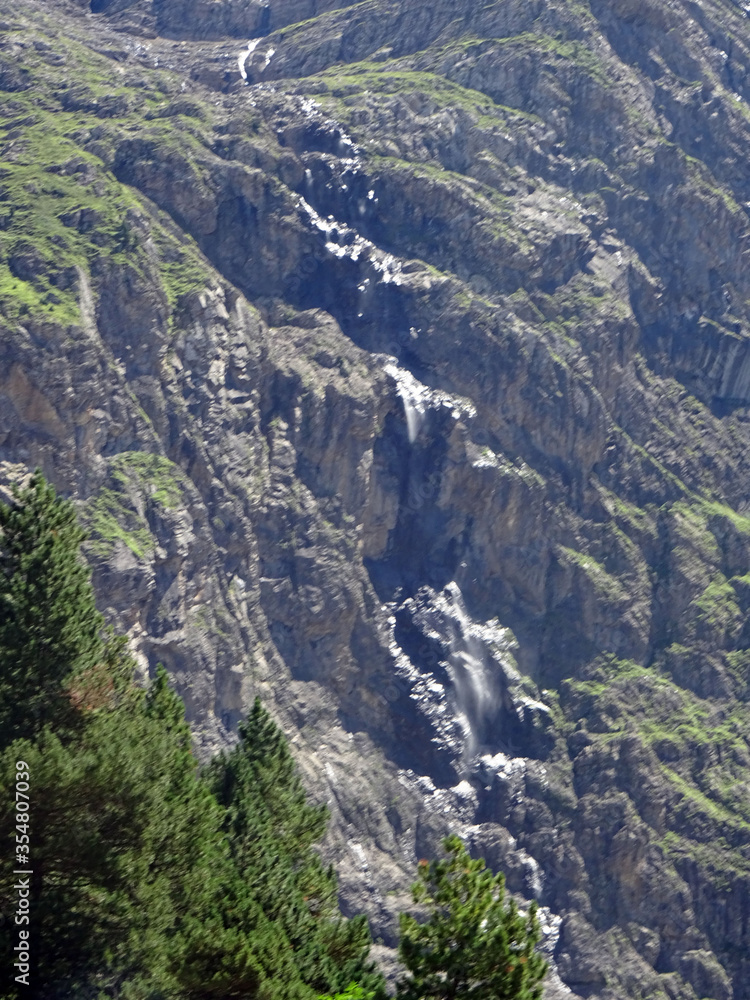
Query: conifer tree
(146,883)
(120,825)
(124,840)
(271,828)
(49,626)
(474,945)
(268,814)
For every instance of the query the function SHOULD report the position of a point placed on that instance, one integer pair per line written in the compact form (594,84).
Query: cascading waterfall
(244,56)
(414,411)
(417,399)
(475,683)
(414,397)
(344,242)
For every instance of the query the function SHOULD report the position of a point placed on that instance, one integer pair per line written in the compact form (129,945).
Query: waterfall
(414,397)
(475,682)
(463,680)
(244,56)
(417,398)
(344,242)
(414,410)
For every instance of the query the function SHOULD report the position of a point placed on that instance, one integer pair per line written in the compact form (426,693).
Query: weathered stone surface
(405,384)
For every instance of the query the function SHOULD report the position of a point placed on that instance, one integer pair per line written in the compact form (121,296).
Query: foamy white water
(244,56)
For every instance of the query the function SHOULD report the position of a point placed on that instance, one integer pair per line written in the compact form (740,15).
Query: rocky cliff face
(399,363)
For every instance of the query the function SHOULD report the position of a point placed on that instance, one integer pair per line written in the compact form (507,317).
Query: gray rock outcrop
(405,384)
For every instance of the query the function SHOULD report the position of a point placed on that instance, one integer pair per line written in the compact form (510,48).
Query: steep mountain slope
(399,361)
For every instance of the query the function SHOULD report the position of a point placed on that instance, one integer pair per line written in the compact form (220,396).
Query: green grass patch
(608,586)
(703,746)
(59,213)
(109,519)
(717,605)
(119,512)
(158,479)
(375,81)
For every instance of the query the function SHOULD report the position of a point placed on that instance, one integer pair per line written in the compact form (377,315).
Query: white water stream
(475,682)
(418,399)
(343,241)
(242,59)
(414,396)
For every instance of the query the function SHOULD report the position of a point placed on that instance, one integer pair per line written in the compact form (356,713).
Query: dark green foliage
(145,885)
(122,835)
(271,828)
(50,629)
(474,945)
(352,992)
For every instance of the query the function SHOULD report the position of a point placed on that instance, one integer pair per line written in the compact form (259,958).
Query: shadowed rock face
(404,382)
